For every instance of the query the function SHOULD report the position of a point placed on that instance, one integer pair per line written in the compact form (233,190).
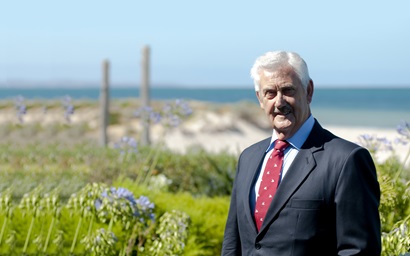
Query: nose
(279,101)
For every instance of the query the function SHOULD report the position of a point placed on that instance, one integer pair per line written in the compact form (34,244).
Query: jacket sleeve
(231,242)
(357,199)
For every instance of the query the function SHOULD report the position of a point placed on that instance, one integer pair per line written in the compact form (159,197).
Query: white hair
(272,61)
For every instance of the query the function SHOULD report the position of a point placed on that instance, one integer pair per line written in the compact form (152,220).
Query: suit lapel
(256,161)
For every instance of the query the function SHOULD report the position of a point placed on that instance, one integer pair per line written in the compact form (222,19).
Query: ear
(309,91)
(259,99)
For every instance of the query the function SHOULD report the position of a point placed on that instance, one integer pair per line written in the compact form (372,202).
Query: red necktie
(269,182)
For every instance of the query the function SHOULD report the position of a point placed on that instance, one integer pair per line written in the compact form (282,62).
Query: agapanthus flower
(121,204)
(401,141)
(68,108)
(155,117)
(404,129)
(144,203)
(124,193)
(374,143)
(174,120)
(145,208)
(184,107)
(126,145)
(170,115)
(387,144)
(20,107)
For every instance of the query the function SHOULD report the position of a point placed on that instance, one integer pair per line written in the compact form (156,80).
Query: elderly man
(303,191)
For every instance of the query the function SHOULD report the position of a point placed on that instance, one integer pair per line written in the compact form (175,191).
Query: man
(328,195)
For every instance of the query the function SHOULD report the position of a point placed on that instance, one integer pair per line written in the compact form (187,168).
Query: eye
(288,91)
(270,94)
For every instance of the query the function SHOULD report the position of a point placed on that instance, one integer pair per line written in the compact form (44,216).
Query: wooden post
(145,95)
(104,103)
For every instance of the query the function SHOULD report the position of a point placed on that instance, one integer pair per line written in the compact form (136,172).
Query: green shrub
(208,216)
(96,220)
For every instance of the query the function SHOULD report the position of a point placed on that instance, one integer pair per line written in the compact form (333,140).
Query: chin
(283,124)
(283,127)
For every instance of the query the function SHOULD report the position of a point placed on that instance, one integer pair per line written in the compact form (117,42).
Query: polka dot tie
(269,182)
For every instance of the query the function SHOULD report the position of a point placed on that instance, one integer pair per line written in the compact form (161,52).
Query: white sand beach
(225,130)
(233,138)
(212,127)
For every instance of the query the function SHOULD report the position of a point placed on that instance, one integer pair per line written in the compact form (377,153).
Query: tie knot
(281,145)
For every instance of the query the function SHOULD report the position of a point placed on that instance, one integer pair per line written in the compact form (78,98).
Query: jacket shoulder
(322,137)
(257,147)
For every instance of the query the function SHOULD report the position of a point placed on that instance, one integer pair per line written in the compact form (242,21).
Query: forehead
(284,75)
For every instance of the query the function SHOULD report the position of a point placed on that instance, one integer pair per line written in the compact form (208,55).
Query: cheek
(268,105)
(261,104)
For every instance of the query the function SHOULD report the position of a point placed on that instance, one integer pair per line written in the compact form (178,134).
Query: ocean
(362,107)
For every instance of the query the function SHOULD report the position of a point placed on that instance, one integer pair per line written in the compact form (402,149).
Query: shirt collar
(299,137)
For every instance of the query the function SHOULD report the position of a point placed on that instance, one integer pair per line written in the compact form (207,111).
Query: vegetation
(55,187)
(72,197)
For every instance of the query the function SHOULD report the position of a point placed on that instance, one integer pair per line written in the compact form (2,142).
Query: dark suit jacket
(327,204)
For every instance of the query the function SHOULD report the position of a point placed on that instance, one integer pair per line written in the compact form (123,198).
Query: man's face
(284,100)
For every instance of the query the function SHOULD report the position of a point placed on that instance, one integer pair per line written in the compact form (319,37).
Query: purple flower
(385,142)
(404,129)
(170,115)
(126,145)
(120,203)
(124,193)
(68,108)
(144,203)
(97,204)
(20,107)
(185,109)
(174,120)
(147,113)
(400,141)
(155,117)
(113,195)
(167,108)
(373,143)
(146,208)
(366,137)
(132,143)
(140,112)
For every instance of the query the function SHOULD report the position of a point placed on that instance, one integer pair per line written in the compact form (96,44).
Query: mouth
(283,111)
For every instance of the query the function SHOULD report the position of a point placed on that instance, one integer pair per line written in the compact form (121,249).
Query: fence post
(104,103)
(145,94)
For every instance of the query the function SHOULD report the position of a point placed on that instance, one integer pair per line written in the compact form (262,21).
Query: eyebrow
(286,86)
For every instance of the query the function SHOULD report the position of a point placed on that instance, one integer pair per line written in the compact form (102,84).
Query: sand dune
(213,127)
(224,133)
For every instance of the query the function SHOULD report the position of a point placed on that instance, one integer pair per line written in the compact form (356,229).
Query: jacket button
(258,246)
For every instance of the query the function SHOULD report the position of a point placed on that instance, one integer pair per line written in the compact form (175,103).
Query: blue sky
(203,43)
